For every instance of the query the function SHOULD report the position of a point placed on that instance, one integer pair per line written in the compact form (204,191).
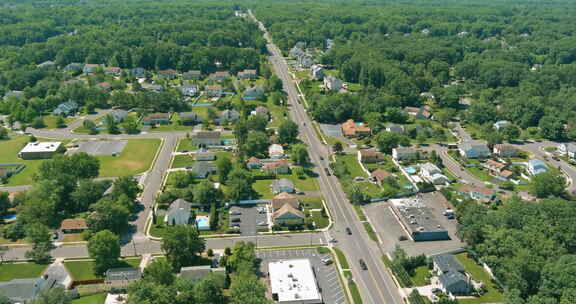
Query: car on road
(333,240)
(235,212)
(189,168)
(321,158)
(327,171)
(348,231)
(363,264)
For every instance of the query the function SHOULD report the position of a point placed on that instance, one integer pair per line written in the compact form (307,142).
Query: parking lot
(101,147)
(389,229)
(248,218)
(326,275)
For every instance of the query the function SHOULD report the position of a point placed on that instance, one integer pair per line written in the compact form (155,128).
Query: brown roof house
(73,226)
(214,90)
(247,74)
(370,156)
(167,74)
(156,119)
(355,129)
(286,210)
(278,167)
(219,76)
(419,113)
(253,163)
(380,175)
(503,150)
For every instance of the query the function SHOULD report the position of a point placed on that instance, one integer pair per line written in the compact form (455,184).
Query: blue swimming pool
(226,142)
(10,217)
(203,223)
(410,170)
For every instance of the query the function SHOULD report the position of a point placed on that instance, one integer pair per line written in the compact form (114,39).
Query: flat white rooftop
(45,146)
(293,281)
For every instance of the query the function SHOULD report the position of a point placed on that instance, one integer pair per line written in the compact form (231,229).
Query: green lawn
(351,161)
(360,212)
(50,121)
(83,270)
(186,144)
(182,161)
(98,298)
(10,271)
(342,258)
(312,202)
(370,231)
(356,299)
(319,220)
(262,187)
(277,114)
(480,173)
(136,158)
(420,274)
(370,189)
(173,126)
(478,273)
(307,183)
(9,154)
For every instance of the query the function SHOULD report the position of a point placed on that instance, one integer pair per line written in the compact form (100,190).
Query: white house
(275,151)
(332,83)
(433,174)
(536,166)
(568,149)
(404,153)
(178,213)
(317,72)
(474,149)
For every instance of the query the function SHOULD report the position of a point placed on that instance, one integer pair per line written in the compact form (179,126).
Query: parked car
(235,220)
(363,264)
(327,261)
(235,212)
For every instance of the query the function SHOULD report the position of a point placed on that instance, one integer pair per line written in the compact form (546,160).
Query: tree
(247,289)
(126,185)
(274,84)
(87,193)
(337,147)
(287,132)
(130,125)
(224,165)
(240,184)
(60,123)
(209,291)
(182,244)
(256,144)
(510,133)
(551,127)
(4,203)
(443,116)
(108,215)
(90,126)
(159,272)
(549,183)
(111,124)
(205,193)
(3,133)
(357,196)
(55,295)
(299,154)
(5,300)
(38,123)
(104,248)
(387,141)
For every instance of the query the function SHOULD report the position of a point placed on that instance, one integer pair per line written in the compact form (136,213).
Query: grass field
(136,158)
(84,270)
(342,258)
(319,220)
(186,144)
(9,154)
(351,161)
(420,274)
(182,161)
(307,183)
(50,121)
(11,271)
(356,298)
(98,298)
(262,187)
(478,273)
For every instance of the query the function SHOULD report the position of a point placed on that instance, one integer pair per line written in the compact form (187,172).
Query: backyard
(82,270)
(10,271)
(182,161)
(98,298)
(492,295)
(354,169)
(136,158)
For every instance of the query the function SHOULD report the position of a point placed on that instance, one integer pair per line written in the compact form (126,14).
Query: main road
(375,284)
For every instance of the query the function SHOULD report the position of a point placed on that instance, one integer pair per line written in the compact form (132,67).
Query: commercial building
(293,282)
(40,150)
(418,220)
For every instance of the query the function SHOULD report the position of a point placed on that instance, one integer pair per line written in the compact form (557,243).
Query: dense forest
(515,59)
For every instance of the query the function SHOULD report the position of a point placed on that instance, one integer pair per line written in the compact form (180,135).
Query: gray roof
(452,278)
(570,147)
(202,169)
(448,262)
(282,183)
(22,290)
(477,145)
(195,272)
(189,116)
(179,205)
(123,274)
(119,114)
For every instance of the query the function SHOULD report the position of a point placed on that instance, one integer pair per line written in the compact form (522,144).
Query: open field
(10,271)
(136,158)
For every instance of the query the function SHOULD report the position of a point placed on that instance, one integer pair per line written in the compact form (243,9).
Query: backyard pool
(10,218)
(203,223)
(410,170)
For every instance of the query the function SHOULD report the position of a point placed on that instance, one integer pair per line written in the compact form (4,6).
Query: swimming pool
(410,170)
(203,223)
(10,217)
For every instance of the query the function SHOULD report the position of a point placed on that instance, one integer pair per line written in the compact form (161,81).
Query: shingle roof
(23,290)
(123,274)
(287,208)
(448,262)
(284,198)
(452,278)
(179,205)
(74,224)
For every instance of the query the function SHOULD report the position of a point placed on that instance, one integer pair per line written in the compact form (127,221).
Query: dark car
(348,231)
(321,158)
(327,171)
(363,264)
(235,220)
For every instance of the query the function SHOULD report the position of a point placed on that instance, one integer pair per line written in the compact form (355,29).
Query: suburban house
(332,83)
(568,149)
(167,74)
(474,149)
(196,273)
(501,124)
(536,166)
(229,115)
(497,169)
(202,169)
(433,174)
(355,129)
(214,90)
(206,138)
(90,68)
(253,93)
(74,67)
(178,213)
(26,290)
(73,225)
(278,167)
(317,72)
(247,74)
(152,87)
(275,151)
(329,44)
(392,128)
(404,154)
(478,193)
(41,150)
(296,51)
(138,72)
(219,76)
(204,155)
(189,90)
(67,108)
(451,275)
(253,163)
(192,75)
(156,119)
(286,210)
(370,156)
(104,86)
(113,71)
(120,278)
(503,150)
(305,61)
(261,110)
(422,113)
(380,175)
(118,115)
(189,118)
(282,185)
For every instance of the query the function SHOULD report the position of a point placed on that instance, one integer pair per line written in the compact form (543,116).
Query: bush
(210,252)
